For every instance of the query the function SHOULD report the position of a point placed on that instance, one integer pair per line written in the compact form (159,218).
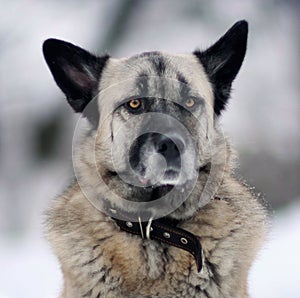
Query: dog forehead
(126,77)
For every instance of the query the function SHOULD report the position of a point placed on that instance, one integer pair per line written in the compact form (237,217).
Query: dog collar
(163,230)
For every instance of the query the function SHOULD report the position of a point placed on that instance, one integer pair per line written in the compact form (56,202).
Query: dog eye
(134,104)
(190,103)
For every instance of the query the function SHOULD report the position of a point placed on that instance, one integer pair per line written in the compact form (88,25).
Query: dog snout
(170,149)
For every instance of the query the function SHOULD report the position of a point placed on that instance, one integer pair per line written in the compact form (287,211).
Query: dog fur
(97,258)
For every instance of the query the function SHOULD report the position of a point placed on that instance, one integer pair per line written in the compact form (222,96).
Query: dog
(155,209)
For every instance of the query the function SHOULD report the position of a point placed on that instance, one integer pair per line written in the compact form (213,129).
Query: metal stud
(129,224)
(166,235)
(183,240)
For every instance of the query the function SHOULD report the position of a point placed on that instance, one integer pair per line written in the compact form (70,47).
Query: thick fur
(97,258)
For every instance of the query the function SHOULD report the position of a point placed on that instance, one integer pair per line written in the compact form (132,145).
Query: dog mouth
(169,178)
(145,190)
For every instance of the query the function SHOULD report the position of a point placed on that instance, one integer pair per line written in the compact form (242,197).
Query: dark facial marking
(158,63)
(142,84)
(184,87)
(147,54)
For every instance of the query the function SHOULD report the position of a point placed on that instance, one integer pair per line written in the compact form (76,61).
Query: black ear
(76,71)
(222,61)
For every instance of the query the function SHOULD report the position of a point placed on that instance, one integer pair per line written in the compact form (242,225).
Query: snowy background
(36,124)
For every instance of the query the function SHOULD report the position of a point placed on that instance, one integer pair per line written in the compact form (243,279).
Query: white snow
(29,270)
(276,272)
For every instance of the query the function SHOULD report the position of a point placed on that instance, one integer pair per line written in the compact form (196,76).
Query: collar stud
(166,235)
(183,240)
(129,224)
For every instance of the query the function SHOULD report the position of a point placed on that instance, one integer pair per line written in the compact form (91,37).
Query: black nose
(170,149)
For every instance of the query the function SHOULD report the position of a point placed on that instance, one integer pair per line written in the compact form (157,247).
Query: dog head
(154,115)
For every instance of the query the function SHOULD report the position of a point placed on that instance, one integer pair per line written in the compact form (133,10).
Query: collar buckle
(149,228)
(141,227)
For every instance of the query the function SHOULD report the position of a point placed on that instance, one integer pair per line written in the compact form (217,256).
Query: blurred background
(36,123)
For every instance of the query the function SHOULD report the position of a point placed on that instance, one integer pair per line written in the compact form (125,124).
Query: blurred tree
(47,134)
(119,24)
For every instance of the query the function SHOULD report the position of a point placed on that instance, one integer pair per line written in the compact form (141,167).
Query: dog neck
(163,230)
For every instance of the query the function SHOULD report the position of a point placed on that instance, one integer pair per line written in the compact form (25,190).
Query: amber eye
(134,103)
(190,102)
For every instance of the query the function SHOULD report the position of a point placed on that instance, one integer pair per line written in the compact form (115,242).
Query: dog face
(154,115)
(154,120)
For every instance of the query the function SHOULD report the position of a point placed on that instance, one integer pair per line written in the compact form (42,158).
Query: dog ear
(76,71)
(222,62)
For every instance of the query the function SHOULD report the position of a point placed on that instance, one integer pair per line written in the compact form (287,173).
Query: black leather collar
(165,231)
